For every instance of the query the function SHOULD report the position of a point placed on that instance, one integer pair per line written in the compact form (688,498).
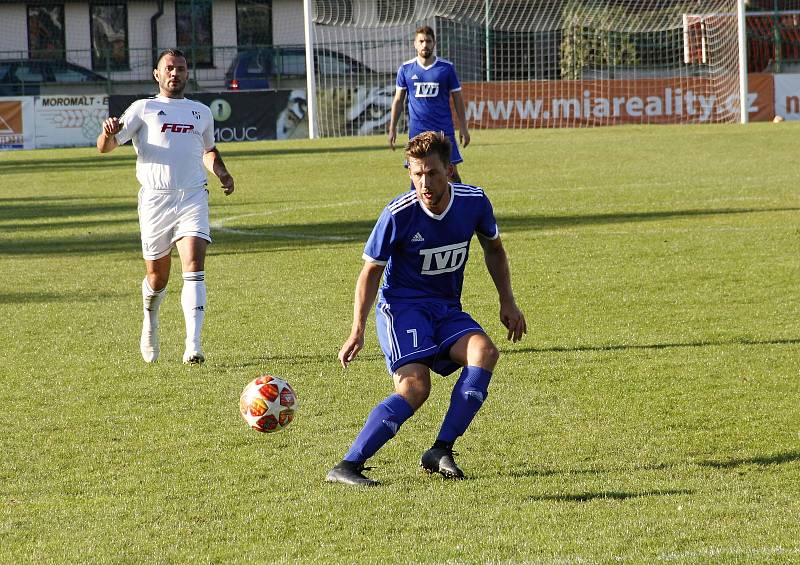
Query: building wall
(77,32)
(13,31)
(287,22)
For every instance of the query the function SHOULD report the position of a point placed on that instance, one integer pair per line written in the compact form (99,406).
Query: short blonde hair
(429,143)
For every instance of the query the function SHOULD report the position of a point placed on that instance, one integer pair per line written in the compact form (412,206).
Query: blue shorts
(455,154)
(421,332)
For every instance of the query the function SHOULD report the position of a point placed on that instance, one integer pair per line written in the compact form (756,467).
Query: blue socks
(468,395)
(381,426)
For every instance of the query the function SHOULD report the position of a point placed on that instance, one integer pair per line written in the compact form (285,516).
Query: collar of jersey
(435,59)
(168,100)
(446,210)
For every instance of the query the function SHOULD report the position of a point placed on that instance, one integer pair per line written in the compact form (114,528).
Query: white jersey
(170,136)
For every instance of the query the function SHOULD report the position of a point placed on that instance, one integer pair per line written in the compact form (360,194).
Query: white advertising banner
(69,120)
(787,96)
(17,125)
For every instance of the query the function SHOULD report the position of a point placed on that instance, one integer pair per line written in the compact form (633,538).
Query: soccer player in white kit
(174,142)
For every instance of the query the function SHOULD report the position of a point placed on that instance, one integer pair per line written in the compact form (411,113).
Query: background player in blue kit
(429,83)
(420,245)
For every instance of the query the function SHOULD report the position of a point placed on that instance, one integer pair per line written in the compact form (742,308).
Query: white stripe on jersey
(369,259)
(467,189)
(403,202)
(394,346)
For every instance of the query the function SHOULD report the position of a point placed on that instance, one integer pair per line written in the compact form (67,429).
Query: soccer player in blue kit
(420,245)
(429,83)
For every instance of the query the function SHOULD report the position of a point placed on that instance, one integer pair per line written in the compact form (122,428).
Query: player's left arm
(461,116)
(511,316)
(214,163)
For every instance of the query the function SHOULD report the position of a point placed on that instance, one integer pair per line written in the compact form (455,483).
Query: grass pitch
(651,414)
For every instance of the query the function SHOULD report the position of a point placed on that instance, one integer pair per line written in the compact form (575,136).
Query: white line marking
(219,225)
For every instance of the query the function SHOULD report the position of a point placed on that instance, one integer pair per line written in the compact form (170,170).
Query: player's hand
(392,138)
(464,135)
(513,319)
(350,349)
(111,126)
(227,183)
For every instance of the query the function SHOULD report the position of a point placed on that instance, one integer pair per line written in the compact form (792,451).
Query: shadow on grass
(81,297)
(600,348)
(760,460)
(256,238)
(54,208)
(533,222)
(298,359)
(126,159)
(606,495)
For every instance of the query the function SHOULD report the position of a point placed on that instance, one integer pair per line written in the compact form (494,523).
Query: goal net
(526,63)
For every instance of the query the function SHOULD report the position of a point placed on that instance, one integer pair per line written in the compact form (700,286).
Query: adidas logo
(417,238)
(415,77)
(162,113)
(393,426)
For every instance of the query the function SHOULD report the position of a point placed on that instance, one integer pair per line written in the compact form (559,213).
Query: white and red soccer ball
(268,404)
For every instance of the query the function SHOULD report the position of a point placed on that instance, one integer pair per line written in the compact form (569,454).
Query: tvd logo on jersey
(445,259)
(426,89)
(177,128)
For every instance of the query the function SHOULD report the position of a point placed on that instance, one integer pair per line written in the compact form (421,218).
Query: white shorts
(165,216)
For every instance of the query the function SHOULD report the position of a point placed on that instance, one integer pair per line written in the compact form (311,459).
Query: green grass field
(651,413)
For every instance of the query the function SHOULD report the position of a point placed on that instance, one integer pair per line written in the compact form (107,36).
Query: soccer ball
(268,404)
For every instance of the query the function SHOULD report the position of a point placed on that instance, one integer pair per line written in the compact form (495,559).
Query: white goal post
(535,63)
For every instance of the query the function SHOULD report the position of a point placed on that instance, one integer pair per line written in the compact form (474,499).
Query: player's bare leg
(192,251)
(154,289)
(478,355)
(412,385)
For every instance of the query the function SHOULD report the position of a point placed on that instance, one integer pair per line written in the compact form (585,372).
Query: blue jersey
(424,253)
(428,90)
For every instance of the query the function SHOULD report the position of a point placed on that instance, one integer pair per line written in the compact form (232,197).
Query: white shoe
(148,344)
(193,356)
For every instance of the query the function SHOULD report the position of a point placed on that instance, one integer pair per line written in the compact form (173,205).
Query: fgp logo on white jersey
(427,89)
(177,128)
(445,259)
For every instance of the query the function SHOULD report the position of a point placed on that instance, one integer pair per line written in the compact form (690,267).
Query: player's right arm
(366,289)
(107,140)
(397,109)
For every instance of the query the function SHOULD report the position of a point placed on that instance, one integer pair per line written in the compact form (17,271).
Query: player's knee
(485,355)
(414,388)
(157,281)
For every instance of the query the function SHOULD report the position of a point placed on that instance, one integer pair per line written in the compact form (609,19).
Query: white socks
(193,301)
(151,301)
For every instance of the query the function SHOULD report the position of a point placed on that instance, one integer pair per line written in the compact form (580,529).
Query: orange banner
(13,131)
(612,102)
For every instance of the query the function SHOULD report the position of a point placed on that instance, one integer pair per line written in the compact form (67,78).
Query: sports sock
(193,301)
(469,392)
(381,426)
(151,301)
